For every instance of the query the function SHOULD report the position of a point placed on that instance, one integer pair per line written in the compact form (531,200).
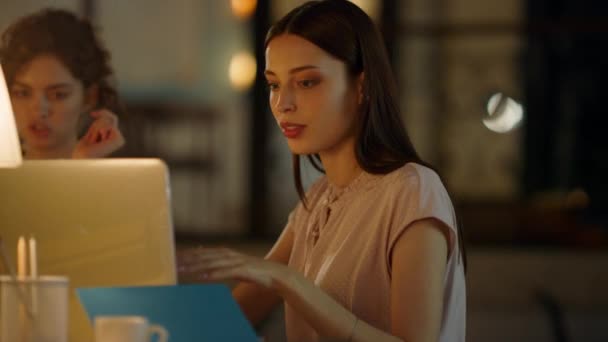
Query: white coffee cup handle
(160,331)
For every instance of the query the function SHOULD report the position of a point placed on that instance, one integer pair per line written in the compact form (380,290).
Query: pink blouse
(344,243)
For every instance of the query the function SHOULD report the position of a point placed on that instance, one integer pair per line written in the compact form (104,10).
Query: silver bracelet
(352,331)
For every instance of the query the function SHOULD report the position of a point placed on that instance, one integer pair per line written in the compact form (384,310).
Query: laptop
(104,222)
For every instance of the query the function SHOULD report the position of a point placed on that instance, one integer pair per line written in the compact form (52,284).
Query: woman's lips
(40,131)
(291,130)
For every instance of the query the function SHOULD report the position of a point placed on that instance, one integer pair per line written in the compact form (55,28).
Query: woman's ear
(91,97)
(359,81)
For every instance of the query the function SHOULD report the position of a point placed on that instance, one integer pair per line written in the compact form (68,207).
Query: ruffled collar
(362,181)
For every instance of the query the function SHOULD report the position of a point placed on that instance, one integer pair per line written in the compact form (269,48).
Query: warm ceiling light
(243,8)
(242,70)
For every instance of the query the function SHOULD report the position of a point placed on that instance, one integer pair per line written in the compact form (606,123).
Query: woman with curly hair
(58,76)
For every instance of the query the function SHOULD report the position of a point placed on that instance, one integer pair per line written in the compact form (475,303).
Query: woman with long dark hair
(372,252)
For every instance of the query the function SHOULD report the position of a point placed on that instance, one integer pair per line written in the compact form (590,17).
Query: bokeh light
(243,8)
(242,70)
(504,114)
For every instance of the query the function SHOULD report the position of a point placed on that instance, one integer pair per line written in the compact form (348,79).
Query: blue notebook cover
(188,312)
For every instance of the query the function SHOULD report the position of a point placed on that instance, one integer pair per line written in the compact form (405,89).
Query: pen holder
(34,309)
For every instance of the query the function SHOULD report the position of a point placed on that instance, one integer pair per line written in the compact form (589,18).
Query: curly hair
(70,39)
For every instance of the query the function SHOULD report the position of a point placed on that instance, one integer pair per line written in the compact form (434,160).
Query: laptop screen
(103,222)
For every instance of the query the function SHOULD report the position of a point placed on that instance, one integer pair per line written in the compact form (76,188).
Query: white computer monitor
(103,222)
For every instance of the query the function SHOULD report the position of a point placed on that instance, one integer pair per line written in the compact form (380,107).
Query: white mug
(127,329)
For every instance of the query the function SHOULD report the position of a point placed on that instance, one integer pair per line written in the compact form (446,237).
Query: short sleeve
(419,194)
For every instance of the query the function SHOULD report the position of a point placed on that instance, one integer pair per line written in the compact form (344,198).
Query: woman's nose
(286,101)
(40,107)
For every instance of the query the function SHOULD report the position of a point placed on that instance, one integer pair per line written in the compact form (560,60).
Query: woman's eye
(59,95)
(19,93)
(273,86)
(308,83)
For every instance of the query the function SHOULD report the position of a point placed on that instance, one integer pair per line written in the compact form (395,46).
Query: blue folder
(188,312)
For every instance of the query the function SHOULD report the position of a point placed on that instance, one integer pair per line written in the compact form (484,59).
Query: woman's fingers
(207,255)
(216,264)
(99,142)
(93,133)
(221,264)
(105,115)
(102,126)
(229,273)
(245,272)
(208,259)
(100,132)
